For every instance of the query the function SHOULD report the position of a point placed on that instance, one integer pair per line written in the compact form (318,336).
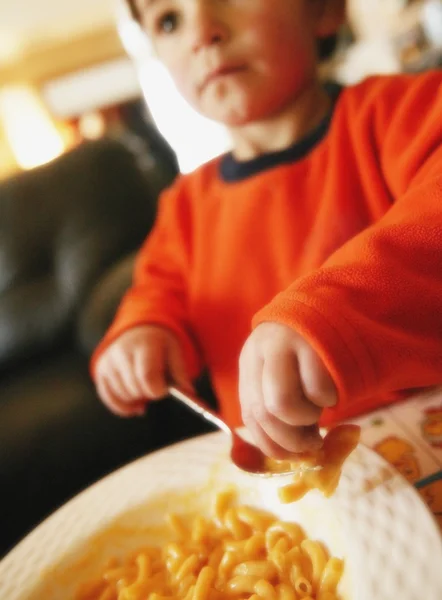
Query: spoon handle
(197,405)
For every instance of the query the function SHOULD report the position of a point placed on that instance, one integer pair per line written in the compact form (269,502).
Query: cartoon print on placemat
(431,426)
(431,492)
(418,425)
(401,454)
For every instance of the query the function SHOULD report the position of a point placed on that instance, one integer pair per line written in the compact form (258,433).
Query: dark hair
(133,9)
(326,46)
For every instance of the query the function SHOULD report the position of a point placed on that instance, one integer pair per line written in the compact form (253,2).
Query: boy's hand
(283,387)
(136,367)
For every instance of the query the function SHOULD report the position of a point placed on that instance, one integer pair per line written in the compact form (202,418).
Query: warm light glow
(194,138)
(32,135)
(92,125)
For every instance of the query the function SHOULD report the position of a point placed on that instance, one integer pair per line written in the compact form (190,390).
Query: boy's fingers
(252,403)
(177,368)
(317,382)
(141,371)
(250,391)
(289,438)
(153,372)
(117,385)
(112,401)
(129,379)
(264,442)
(283,395)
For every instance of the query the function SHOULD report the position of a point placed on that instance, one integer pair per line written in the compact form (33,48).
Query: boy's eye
(167,23)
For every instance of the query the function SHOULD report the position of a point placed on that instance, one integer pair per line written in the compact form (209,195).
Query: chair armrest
(100,307)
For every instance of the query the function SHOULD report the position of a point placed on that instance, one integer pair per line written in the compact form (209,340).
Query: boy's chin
(230,107)
(238,112)
(233,116)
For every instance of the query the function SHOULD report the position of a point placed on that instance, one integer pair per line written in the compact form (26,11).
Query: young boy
(322,229)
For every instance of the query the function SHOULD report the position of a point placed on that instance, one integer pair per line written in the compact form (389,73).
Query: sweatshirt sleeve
(159,290)
(373,311)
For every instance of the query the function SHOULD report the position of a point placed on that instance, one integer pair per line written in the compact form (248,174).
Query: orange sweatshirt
(338,237)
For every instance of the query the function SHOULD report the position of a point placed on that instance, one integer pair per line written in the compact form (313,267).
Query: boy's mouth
(221,72)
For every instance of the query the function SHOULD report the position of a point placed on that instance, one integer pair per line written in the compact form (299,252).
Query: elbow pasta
(338,444)
(243,553)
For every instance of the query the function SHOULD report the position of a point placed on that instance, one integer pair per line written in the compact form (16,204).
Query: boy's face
(236,61)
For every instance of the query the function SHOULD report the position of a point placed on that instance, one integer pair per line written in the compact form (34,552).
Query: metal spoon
(244,455)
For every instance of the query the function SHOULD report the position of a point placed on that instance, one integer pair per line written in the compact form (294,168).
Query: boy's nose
(207,28)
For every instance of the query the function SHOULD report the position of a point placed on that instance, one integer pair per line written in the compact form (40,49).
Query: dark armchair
(68,235)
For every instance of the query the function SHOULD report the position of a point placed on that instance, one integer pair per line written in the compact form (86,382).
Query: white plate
(376,521)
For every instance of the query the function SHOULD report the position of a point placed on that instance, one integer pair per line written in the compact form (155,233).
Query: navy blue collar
(233,170)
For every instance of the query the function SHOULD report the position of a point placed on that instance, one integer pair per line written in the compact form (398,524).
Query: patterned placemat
(409,436)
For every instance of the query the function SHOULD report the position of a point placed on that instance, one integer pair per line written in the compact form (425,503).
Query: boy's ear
(331,16)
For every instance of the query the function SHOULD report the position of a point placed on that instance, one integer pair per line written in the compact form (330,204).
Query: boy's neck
(282,130)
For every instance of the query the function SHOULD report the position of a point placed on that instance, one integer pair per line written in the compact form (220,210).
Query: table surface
(409,436)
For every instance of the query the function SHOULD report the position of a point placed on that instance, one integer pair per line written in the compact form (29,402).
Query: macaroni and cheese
(338,444)
(240,553)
